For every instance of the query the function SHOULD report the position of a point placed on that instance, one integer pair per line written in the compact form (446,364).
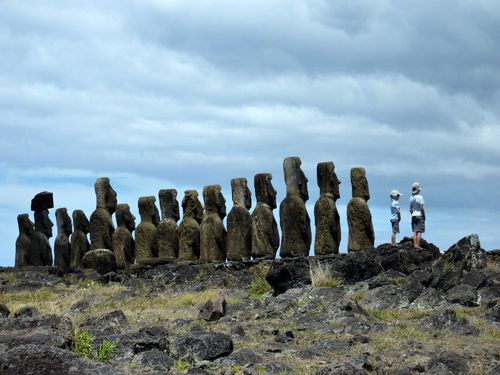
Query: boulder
(448,320)
(288,273)
(101,260)
(199,346)
(467,253)
(4,310)
(213,310)
(450,361)
(114,322)
(157,360)
(345,369)
(463,294)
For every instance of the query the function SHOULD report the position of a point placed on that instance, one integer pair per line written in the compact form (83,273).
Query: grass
(259,287)
(391,316)
(182,366)
(105,351)
(321,275)
(83,344)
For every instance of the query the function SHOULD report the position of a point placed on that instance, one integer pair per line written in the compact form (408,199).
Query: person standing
(417,214)
(395,215)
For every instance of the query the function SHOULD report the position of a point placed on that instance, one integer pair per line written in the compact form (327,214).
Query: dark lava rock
(468,253)
(157,360)
(345,369)
(4,310)
(51,330)
(26,311)
(129,344)
(463,294)
(101,260)
(493,314)
(451,361)
(242,357)
(198,346)
(213,310)
(288,273)
(448,319)
(429,299)
(46,360)
(114,322)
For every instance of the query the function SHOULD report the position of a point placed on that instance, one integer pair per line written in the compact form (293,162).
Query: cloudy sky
(181,94)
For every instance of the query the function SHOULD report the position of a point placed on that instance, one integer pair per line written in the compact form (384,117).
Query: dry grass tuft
(322,276)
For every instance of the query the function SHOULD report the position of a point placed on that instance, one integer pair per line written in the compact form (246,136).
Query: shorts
(395,226)
(418,224)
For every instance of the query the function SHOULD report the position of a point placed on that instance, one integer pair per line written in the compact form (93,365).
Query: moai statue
(326,216)
(265,236)
(24,242)
(359,218)
(239,222)
(167,231)
(189,229)
(62,247)
(42,252)
(123,243)
(146,245)
(79,241)
(212,232)
(101,222)
(294,219)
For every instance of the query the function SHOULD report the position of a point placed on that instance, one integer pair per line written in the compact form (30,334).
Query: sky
(182,94)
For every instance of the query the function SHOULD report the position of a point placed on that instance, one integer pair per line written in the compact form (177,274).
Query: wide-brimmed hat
(416,186)
(395,193)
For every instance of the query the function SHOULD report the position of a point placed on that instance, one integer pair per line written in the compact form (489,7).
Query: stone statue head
(43,223)
(295,179)
(191,206)
(328,181)
(264,189)
(242,196)
(169,204)
(148,210)
(63,222)
(105,195)
(359,184)
(80,221)
(124,217)
(214,200)
(26,226)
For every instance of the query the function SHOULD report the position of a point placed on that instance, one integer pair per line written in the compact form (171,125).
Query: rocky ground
(389,310)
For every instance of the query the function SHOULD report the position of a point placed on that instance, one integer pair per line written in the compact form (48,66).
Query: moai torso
(24,244)
(265,236)
(101,222)
(62,247)
(41,254)
(213,233)
(327,219)
(359,218)
(239,222)
(123,242)
(294,219)
(189,229)
(146,245)
(167,231)
(79,241)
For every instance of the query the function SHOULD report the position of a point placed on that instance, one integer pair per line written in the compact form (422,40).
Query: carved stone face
(80,221)
(169,204)
(214,200)
(295,179)
(124,217)
(191,206)
(264,189)
(148,210)
(26,226)
(359,184)
(242,196)
(43,223)
(105,195)
(63,222)
(328,181)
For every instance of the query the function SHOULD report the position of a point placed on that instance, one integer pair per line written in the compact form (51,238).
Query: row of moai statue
(201,235)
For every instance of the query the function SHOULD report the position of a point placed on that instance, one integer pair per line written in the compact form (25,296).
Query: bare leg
(419,237)
(393,239)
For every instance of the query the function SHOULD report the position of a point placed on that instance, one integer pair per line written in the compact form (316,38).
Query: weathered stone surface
(24,242)
(167,231)
(42,201)
(42,252)
(62,246)
(112,323)
(157,360)
(327,219)
(79,242)
(212,232)
(288,273)
(101,260)
(4,310)
(47,360)
(189,229)
(468,253)
(359,184)
(26,311)
(199,346)
(101,223)
(239,222)
(146,243)
(265,236)
(213,310)
(359,217)
(451,361)
(448,320)
(345,369)
(294,219)
(123,242)
(465,295)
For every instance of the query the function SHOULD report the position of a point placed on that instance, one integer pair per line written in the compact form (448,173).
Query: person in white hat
(417,214)
(395,215)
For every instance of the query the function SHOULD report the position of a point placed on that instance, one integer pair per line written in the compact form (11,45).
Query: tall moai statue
(239,222)
(294,219)
(123,242)
(265,236)
(167,231)
(62,246)
(24,242)
(101,222)
(326,216)
(41,254)
(359,218)
(189,229)
(212,232)
(79,241)
(146,244)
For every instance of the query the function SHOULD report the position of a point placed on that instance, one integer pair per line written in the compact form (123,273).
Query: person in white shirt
(395,215)
(417,214)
